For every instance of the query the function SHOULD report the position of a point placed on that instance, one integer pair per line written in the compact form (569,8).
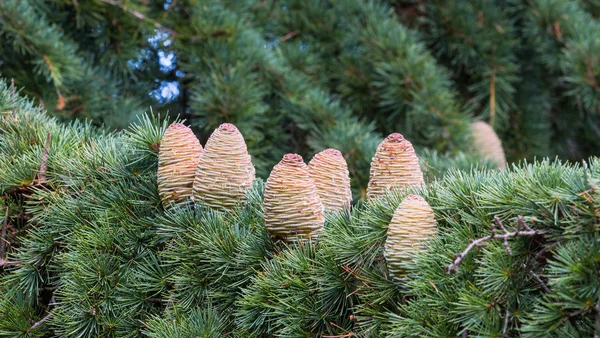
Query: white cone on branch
(330,172)
(487,143)
(395,165)
(292,207)
(225,172)
(177,161)
(412,225)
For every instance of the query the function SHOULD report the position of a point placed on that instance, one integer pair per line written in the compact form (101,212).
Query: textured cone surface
(412,224)
(177,161)
(487,142)
(292,205)
(395,165)
(329,170)
(225,171)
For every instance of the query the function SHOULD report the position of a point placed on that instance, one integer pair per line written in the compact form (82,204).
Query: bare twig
(41,321)
(44,165)
(140,16)
(504,237)
(543,251)
(538,280)
(289,35)
(12,87)
(506,317)
(3,240)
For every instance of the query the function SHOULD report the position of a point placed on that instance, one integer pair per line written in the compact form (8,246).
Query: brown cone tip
(224,172)
(228,127)
(487,143)
(292,159)
(330,172)
(411,226)
(177,158)
(395,137)
(395,165)
(292,206)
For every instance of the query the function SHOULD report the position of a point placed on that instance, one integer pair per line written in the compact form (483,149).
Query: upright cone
(225,171)
(395,165)
(329,170)
(292,206)
(177,161)
(487,143)
(412,224)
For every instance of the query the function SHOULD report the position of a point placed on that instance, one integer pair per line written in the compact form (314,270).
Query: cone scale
(329,170)
(225,172)
(292,207)
(395,165)
(487,143)
(177,160)
(412,224)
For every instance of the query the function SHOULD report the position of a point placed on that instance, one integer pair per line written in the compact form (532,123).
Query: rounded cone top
(487,143)
(224,172)
(395,165)
(292,206)
(329,170)
(413,223)
(177,160)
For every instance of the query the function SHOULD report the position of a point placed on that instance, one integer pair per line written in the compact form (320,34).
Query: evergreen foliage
(93,252)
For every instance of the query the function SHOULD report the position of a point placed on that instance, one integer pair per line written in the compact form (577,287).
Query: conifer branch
(497,225)
(3,239)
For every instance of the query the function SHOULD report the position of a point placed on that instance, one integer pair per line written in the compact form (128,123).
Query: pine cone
(487,143)
(413,223)
(329,170)
(177,161)
(292,205)
(225,171)
(395,165)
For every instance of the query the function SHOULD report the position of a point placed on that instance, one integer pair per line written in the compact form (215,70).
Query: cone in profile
(225,171)
(177,161)
(292,206)
(395,165)
(329,170)
(412,224)
(487,143)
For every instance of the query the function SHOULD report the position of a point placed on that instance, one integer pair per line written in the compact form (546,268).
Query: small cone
(177,158)
(487,143)
(412,224)
(329,170)
(292,205)
(395,165)
(225,171)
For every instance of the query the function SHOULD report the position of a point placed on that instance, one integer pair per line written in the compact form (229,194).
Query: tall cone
(487,143)
(225,171)
(395,165)
(292,205)
(177,161)
(330,172)
(412,224)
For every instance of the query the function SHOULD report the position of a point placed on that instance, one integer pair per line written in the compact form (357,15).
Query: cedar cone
(225,171)
(329,170)
(412,223)
(292,205)
(487,143)
(177,160)
(395,165)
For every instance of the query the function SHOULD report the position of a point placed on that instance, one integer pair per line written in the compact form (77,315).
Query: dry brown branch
(497,225)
